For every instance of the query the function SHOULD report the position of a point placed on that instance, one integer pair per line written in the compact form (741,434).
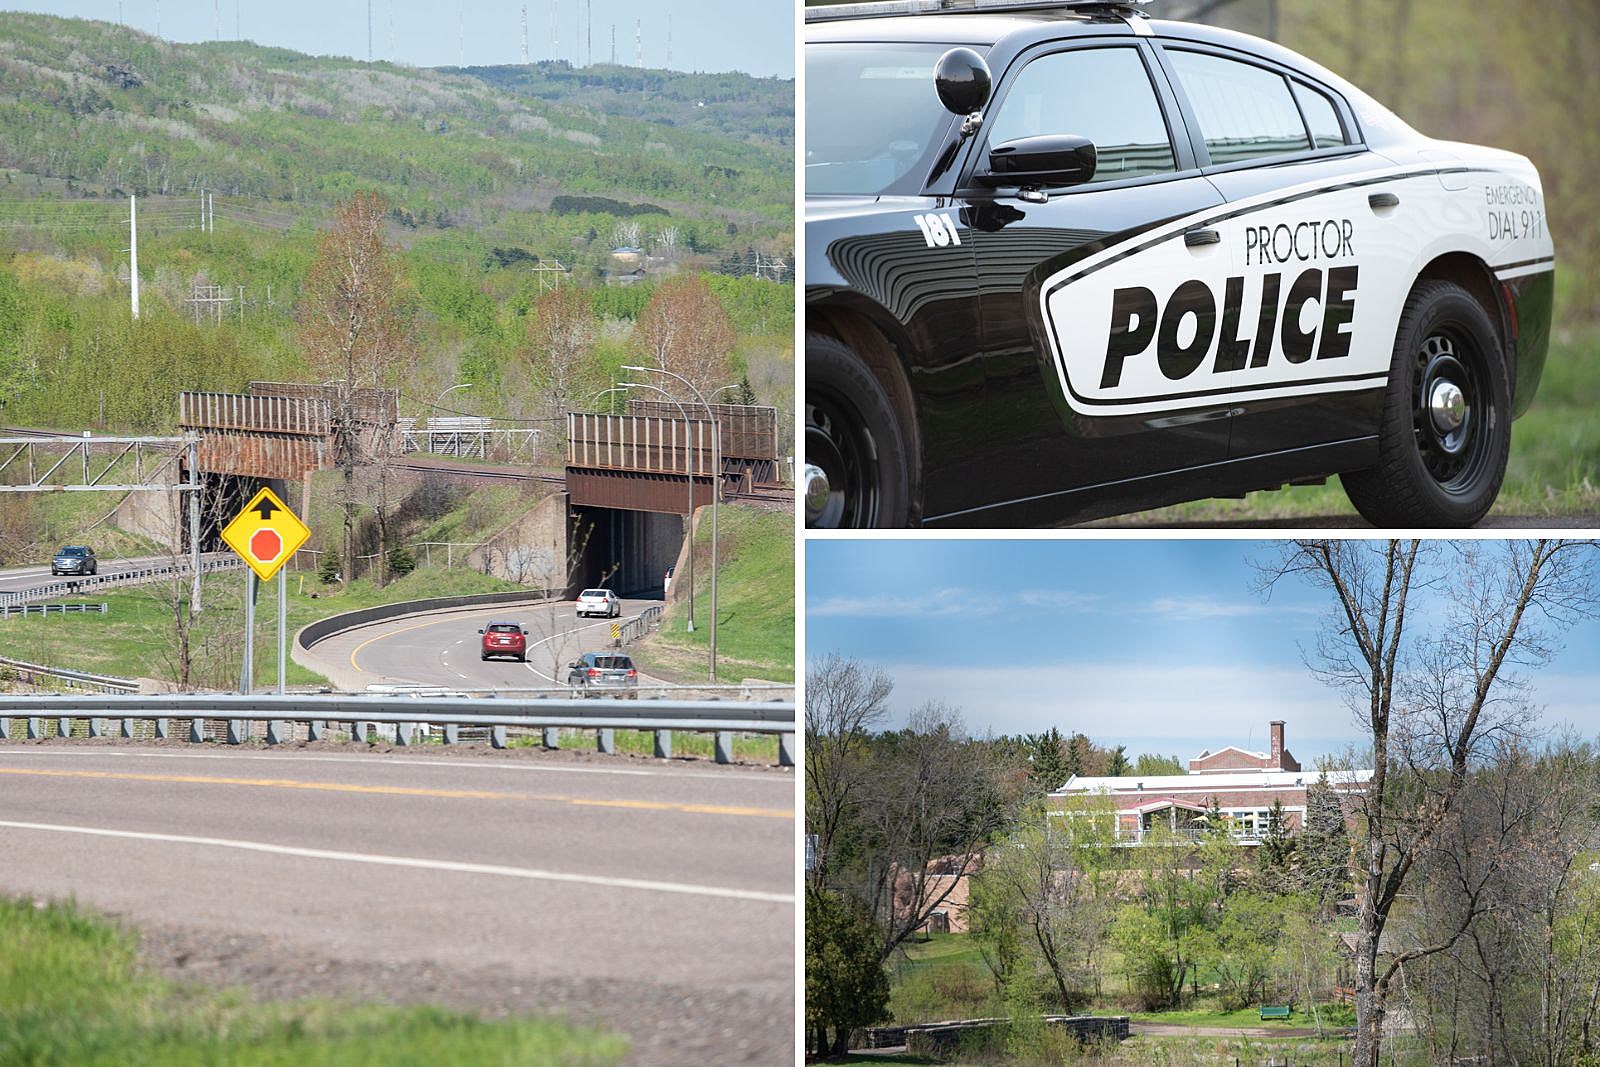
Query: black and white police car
(1065,261)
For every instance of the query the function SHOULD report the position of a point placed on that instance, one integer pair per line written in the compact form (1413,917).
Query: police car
(1065,261)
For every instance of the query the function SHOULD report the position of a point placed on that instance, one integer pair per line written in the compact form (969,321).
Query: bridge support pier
(317,730)
(63,727)
(127,728)
(162,726)
(97,727)
(240,731)
(35,729)
(197,730)
(275,731)
(605,740)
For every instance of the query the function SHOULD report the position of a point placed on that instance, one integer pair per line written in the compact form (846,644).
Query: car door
(1050,263)
(1316,246)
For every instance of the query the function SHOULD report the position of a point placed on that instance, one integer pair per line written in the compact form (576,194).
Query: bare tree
(1434,680)
(684,329)
(353,328)
(846,701)
(561,335)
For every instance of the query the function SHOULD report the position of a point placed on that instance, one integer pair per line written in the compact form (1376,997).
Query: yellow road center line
(411,791)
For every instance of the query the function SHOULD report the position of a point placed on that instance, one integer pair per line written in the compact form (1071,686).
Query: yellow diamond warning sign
(265,534)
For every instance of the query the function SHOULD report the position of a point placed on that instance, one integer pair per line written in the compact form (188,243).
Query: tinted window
(504,628)
(1321,116)
(615,663)
(873,117)
(1103,94)
(1245,112)
(595,592)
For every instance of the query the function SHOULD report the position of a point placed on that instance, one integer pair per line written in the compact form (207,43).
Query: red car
(505,639)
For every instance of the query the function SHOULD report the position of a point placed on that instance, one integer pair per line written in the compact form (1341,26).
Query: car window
(594,592)
(873,117)
(1321,116)
(1103,94)
(1244,111)
(504,628)
(615,663)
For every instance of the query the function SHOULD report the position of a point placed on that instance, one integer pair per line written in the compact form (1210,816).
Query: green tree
(1118,766)
(1151,764)
(1047,760)
(1323,850)
(846,986)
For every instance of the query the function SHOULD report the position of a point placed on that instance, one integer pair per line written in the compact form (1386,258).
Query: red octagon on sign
(266,545)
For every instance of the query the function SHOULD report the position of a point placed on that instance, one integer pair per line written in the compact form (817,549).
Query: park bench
(1275,1011)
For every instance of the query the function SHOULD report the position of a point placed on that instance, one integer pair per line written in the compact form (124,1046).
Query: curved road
(657,900)
(442,648)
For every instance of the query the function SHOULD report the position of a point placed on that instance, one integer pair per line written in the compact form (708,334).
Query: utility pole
(194,523)
(133,250)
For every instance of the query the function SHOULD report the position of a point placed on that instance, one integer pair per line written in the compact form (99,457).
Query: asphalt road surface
(657,900)
(444,648)
(15,578)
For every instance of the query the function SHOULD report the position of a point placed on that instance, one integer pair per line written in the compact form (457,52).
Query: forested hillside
(107,110)
(494,198)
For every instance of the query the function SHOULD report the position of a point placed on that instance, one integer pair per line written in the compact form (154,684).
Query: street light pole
(716,494)
(688,515)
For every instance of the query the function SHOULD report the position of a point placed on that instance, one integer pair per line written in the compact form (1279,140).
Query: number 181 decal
(938,230)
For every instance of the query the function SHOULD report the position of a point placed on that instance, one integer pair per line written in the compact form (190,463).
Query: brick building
(1242,784)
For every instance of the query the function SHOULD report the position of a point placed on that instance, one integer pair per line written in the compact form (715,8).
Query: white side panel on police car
(1300,294)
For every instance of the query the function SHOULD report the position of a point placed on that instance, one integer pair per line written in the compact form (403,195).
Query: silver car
(598,673)
(75,559)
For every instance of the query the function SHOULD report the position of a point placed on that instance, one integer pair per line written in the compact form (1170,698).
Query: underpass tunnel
(627,551)
(222,496)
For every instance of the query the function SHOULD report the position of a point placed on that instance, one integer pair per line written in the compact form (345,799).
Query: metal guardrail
(641,624)
(136,576)
(604,716)
(103,683)
(51,609)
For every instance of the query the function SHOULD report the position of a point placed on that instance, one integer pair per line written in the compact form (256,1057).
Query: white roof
(1207,783)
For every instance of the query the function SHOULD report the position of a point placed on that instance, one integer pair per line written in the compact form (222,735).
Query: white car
(601,602)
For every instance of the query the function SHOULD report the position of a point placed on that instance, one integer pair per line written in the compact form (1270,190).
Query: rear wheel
(856,474)
(1445,435)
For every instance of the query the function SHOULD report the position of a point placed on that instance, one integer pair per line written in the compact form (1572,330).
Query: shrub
(328,571)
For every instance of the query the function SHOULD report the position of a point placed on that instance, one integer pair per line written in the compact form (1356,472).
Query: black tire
(484,656)
(1430,473)
(854,439)
(522,658)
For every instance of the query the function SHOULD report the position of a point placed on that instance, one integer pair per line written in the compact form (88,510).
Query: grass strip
(72,994)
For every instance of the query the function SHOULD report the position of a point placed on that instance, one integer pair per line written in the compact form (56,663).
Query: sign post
(266,535)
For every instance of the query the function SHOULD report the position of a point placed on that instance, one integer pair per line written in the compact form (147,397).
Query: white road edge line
(381,760)
(417,863)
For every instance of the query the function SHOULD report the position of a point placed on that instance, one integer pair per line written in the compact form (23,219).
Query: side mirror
(524,632)
(574,663)
(962,80)
(1041,161)
(480,631)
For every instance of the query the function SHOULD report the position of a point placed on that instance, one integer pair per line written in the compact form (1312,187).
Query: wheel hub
(1448,406)
(817,493)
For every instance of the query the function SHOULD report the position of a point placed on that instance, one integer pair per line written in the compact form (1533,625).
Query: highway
(655,899)
(15,578)
(443,648)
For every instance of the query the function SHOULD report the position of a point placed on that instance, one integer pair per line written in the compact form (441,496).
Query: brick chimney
(1277,744)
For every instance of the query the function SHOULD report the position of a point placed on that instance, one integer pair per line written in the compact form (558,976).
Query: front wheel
(856,467)
(1445,434)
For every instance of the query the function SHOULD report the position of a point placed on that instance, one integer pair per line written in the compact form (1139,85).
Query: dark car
(75,559)
(597,673)
(505,639)
(1064,261)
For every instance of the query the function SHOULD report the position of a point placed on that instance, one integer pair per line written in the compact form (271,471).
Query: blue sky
(1162,645)
(755,36)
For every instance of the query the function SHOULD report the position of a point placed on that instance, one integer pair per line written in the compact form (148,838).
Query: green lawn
(755,603)
(136,637)
(73,995)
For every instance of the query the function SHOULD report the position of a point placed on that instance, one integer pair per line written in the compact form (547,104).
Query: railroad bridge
(616,512)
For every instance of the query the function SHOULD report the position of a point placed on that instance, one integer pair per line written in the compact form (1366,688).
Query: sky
(754,36)
(1165,646)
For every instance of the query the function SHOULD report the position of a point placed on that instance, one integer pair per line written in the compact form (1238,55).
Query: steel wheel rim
(1452,441)
(838,443)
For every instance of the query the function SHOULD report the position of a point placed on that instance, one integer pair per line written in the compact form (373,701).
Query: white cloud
(951,602)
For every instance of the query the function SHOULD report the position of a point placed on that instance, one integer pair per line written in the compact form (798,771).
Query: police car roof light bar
(891,8)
